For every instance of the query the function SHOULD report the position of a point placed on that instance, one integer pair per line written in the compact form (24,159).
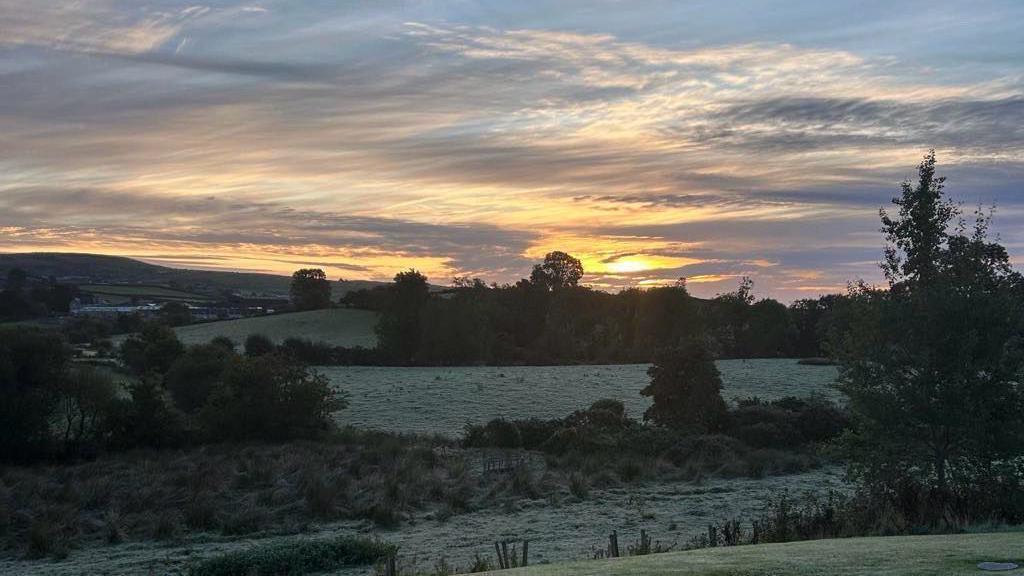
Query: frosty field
(559,529)
(443,400)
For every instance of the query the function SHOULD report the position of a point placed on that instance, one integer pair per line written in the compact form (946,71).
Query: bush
(195,374)
(151,351)
(258,345)
(297,557)
(147,418)
(269,397)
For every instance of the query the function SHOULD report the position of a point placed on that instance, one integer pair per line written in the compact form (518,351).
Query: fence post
(526,544)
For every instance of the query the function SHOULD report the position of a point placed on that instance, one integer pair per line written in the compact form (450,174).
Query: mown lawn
(903,556)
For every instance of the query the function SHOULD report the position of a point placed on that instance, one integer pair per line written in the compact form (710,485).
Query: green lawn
(903,556)
(340,327)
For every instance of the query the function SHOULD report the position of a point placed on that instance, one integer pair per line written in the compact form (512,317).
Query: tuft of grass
(579,486)
(297,557)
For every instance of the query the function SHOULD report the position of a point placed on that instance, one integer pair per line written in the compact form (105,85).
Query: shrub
(579,486)
(147,418)
(686,389)
(151,351)
(194,375)
(269,397)
(296,557)
(258,345)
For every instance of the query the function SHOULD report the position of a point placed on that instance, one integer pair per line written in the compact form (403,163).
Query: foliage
(87,404)
(931,366)
(559,270)
(686,389)
(398,330)
(151,351)
(176,314)
(148,418)
(549,319)
(258,345)
(268,397)
(310,289)
(194,375)
(32,363)
(296,557)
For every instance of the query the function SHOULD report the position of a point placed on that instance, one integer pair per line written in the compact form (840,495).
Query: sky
(651,139)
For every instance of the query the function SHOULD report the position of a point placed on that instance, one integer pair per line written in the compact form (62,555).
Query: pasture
(338,326)
(443,400)
(122,294)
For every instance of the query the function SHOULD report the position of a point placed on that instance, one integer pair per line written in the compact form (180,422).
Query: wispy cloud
(375,137)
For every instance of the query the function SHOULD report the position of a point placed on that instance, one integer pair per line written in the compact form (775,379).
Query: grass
(296,557)
(125,293)
(903,555)
(339,327)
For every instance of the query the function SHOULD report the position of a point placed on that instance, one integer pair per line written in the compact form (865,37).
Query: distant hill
(99,269)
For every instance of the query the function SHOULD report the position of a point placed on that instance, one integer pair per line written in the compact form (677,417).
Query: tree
(310,289)
(931,366)
(32,364)
(176,314)
(88,401)
(398,329)
(151,351)
(686,389)
(269,397)
(559,270)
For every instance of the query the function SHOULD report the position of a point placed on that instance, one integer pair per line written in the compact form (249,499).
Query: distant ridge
(102,269)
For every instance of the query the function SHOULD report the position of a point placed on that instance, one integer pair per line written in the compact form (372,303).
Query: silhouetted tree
(310,289)
(931,366)
(398,329)
(176,314)
(559,270)
(686,389)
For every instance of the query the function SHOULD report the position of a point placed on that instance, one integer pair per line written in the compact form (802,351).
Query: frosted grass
(444,400)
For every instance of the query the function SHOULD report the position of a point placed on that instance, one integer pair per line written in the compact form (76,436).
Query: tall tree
(310,289)
(931,366)
(398,329)
(559,270)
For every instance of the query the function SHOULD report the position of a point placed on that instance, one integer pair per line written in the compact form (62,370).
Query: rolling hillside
(100,269)
(903,555)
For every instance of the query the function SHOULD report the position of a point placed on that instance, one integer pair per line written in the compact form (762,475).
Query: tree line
(549,318)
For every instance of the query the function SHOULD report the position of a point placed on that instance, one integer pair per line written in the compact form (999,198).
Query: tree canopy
(932,364)
(310,289)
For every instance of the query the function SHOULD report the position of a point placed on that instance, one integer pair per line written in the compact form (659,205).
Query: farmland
(120,294)
(339,327)
(443,400)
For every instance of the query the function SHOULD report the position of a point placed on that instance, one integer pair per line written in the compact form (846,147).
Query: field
(559,528)
(443,400)
(340,327)
(904,555)
(123,294)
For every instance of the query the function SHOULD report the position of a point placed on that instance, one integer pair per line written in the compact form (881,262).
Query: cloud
(462,143)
